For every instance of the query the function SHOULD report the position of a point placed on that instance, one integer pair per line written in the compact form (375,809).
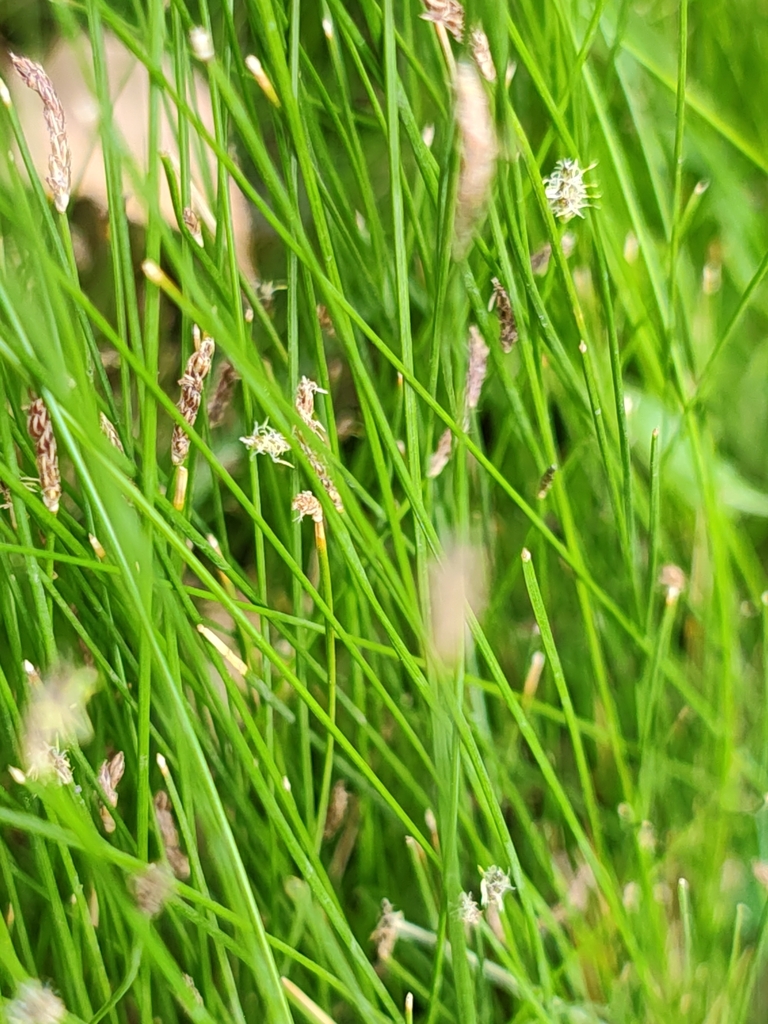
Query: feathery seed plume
(567,193)
(35,1004)
(222,393)
(494,886)
(468,910)
(41,431)
(508,334)
(265,440)
(109,431)
(60,160)
(198,365)
(109,777)
(386,930)
(478,155)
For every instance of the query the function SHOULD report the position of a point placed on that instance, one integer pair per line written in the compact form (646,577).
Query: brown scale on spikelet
(41,431)
(108,429)
(222,394)
(192,224)
(170,836)
(198,366)
(60,161)
(306,504)
(507,322)
(546,482)
(449,13)
(109,777)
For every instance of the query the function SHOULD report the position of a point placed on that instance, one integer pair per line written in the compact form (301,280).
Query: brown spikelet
(477,368)
(546,482)
(222,394)
(305,407)
(481,51)
(324,319)
(439,458)
(478,155)
(109,777)
(60,159)
(192,224)
(170,836)
(198,366)
(152,889)
(337,810)
(108,429)
(306,504)
(41,431)
(449,13)
(507,322)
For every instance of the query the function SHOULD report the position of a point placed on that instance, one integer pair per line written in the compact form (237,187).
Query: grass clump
(254,768)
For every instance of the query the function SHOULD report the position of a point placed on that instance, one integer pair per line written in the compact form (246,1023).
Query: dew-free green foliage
(624,795)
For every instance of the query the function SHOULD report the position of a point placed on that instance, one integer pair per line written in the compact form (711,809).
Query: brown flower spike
(507,322)
(41,431)
(60,161)
(198,367)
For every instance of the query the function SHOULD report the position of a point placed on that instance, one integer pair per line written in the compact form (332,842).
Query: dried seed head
(191,383)
(477,368)
(494,886)
(449,13)
(337,809)
(468,910)
(265,440)
(478,155)
(202,44)
(192,224)
(109,777)
(324,319)
(56,718)
(458,580)
(108,429)
(438,460)
(386,931)
(35,1004)
(673,578)
(481,51)
(305,403)
(567,193)
(170,836)
(222,394)
(546,482)
(41,431)
(152,889)
(60,160)
(306,504)
(507,322)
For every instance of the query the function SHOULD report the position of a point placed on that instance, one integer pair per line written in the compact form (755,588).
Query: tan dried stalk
(41,431)
(198,367)
(60,160)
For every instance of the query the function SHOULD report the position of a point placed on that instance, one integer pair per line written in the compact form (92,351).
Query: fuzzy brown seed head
(449,13)
(481,51)
(306,504)
(478,155)
(324,319)
(337,809)
(191,383)
(152,889)
(305,403)
(477,368)
(508,324)
(60,160)
(110,774)
(222,394)
(41,431)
